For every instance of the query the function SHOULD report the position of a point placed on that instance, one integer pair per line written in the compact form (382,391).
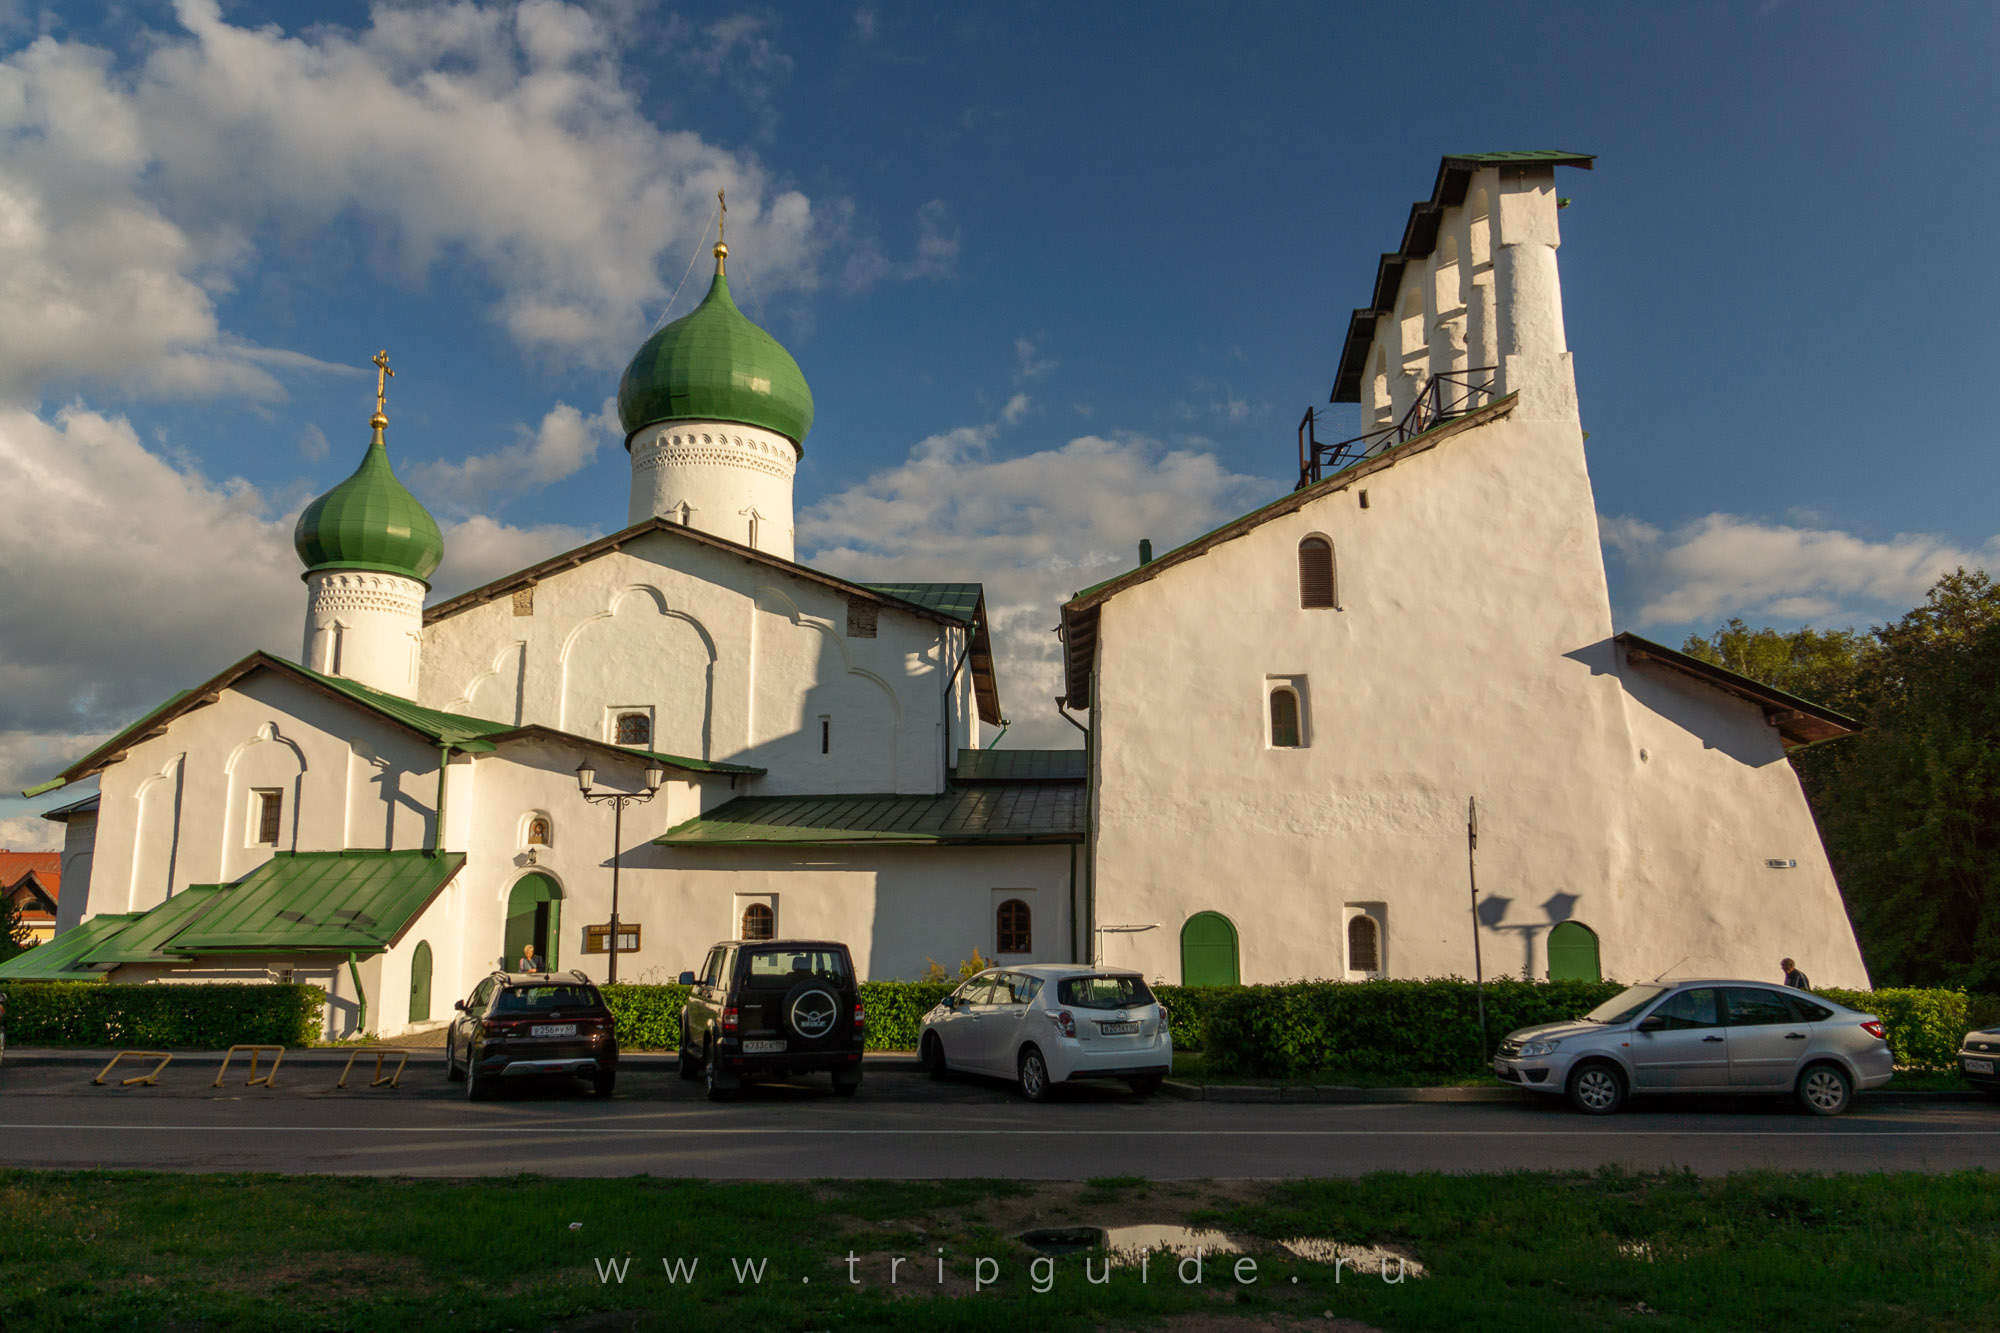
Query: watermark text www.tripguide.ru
(1191,1270)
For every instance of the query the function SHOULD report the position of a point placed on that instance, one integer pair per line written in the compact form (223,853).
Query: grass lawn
(1525,1251)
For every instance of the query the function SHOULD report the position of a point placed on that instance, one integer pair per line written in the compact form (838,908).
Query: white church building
(1288,718)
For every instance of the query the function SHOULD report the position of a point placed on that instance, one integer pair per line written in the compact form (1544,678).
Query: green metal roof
(62,958)
(341,901)
(455,729)
(715,365)
(959,601)
(1547,157)
(976,766)
(370,521)
(1029,812)
(144,939)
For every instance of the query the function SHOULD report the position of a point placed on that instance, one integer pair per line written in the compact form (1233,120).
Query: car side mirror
(458,1005)
(687,978)
(1652,1023)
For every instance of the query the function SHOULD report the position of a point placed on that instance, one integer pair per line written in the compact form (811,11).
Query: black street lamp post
(656,773)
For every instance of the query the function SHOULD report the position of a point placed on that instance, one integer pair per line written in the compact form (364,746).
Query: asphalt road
(903,1125)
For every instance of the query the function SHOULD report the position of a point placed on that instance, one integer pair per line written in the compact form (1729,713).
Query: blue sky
(1059,279)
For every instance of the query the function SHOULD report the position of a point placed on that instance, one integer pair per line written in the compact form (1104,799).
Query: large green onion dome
(715,365)
(370,521)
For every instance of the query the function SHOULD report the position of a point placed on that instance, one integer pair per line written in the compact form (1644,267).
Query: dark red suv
(530,1025)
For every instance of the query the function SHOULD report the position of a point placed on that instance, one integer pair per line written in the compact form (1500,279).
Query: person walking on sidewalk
(1794,978)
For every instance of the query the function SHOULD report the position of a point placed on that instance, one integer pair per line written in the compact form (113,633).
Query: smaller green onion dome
(715,365)
(370,521)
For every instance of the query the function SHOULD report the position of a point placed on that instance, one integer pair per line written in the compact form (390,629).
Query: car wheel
(478,1086)
(933,1057)
(1033,1072)
(603,1084)
(451,1070)
(1145,1085)
(690,1062)
(1825,1090)
(720,1086)
(1597,1088)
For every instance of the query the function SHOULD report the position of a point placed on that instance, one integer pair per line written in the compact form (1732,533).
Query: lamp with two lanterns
(586,778)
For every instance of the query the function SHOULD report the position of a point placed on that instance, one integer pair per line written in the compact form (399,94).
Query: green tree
(1910,807)
(13,930)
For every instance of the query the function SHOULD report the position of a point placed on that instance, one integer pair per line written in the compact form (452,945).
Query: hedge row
(94,1013)
(1924,1026)
(649,1017)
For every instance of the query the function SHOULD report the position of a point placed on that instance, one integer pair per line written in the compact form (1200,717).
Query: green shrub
(896,1008)
(94,1013)
(1187,1012)
(648,1017)
(1924,1026)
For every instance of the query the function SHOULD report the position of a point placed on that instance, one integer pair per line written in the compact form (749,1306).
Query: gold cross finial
(382,377)
(721,234)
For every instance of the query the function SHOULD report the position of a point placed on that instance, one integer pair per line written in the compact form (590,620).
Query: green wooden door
(531,919)
(1573,953)
(1208,951)
(420,983)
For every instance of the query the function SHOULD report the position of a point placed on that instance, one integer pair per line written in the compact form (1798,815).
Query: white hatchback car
(1041,1024)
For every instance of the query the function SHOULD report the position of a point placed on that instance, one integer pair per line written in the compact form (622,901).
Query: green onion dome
(370,521)
(715,365)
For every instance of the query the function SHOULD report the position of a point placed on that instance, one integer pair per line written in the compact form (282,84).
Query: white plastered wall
(722,477)
(367,626)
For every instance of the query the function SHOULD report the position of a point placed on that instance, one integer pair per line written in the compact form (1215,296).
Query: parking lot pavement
(902,1125)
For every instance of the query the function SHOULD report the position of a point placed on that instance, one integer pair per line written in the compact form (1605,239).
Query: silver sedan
(1702,1036)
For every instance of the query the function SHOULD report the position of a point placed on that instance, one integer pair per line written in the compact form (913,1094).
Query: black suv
(525,1024)
(773,1008)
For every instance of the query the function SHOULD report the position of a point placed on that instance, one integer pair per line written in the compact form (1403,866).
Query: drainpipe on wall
(437,827)
(1072,903)
(360,995)
(1090,892)
(948,682)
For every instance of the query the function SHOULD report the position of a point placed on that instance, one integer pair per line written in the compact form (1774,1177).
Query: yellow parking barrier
(380,1053)
(148,1079)
(254,1082)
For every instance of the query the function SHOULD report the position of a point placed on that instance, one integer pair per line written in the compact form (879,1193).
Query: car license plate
(762,1047)
(1119,1029)
(552,1030)
(1978,1066)
(1499,1065)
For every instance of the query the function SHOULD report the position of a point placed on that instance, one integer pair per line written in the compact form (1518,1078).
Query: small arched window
(1316,573)
(1016,928)
(1285,718)
(759,922)
(1364,944)
(635,729)
(539,831)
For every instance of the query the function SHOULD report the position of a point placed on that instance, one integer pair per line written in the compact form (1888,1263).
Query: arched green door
(1208,951)
(533,910)
(1573,953)
(420,983)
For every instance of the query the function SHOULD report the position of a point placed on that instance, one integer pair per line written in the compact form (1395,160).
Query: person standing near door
(1794,978)
(529,963)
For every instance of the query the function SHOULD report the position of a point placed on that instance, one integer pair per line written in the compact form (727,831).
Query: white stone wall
(722,477)
(1471,655)
(733,660)
(366,626)
(78,854)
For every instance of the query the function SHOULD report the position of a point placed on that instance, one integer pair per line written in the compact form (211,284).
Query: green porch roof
(990,766)
(63,958)
(1027,813)
(357,902)
(144,940)
(959,601)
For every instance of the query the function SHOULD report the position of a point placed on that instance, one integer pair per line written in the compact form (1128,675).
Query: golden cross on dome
(722,217)
(382,377)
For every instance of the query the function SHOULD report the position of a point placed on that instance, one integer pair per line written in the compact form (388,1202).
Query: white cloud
(1029,366)
(563,444)
(481,549)
(313,445)
(1722,565)
(935,257)
(1034,528)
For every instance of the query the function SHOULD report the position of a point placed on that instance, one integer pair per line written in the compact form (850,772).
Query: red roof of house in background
(46,867)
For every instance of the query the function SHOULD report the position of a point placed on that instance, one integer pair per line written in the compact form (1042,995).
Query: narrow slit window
(270,816)
(1285,719)
(1015,932)
(1316,573)
(635,729)
(1364,945)
(826,735)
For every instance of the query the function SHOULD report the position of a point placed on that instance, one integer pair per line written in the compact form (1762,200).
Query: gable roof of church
(961,604)
(465,734)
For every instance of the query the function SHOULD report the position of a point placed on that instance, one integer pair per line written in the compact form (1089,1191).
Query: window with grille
(1285,719)
(1016,928)
(538,832)
(635,729)
(597,939)
(1364,945)
(270,815)
(1315,573)
(759,922)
